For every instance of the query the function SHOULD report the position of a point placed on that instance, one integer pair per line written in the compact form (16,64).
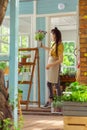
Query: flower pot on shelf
(23,60)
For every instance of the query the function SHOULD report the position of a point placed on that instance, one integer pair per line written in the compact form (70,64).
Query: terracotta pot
(23,60)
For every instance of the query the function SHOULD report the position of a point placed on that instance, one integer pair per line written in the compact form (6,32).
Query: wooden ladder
(35,61)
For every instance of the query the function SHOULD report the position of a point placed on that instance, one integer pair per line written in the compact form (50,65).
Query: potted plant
(39,36)
(75,100)
(56,105)
(20,94)
(23,58)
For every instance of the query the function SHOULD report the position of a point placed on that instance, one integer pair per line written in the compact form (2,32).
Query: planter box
(75,123)
(74,109)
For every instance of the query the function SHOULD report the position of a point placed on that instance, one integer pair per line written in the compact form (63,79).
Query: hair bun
(56,28)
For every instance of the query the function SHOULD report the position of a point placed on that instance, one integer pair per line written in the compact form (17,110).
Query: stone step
(40,111)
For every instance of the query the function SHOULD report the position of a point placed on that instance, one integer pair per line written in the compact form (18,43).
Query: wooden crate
(75,123)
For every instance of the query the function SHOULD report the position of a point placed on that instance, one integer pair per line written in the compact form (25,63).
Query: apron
(52,72)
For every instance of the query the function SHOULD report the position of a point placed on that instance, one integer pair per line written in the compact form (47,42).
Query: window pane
(69,60)
(4,30)
(24,41)
(4,48)
(69,47)
(5,39)
(69,70)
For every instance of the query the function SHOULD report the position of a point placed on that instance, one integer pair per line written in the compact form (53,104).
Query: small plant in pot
(57,103)
(23,58)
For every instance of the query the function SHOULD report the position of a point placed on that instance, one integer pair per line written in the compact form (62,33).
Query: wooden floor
(43,122)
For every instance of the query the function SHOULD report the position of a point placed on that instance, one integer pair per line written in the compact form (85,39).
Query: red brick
(83,64)
(83,49)
(82,68)
(83,59)
(83,45)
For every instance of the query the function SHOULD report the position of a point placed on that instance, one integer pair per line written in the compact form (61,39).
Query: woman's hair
(57,33)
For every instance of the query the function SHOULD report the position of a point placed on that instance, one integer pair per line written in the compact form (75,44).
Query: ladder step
(27,63)
(24,82)
(28,49)
(23,102)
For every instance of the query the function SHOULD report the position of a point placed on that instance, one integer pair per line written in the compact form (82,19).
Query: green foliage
(57,102)
(69,58)
(24,56)
(8,124)
(75,92)
(39,36)
(20,90)
(69,71)
(69,47)
(3,65)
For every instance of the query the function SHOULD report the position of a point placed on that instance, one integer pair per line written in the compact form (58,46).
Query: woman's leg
(58,84)
(50,91)
(48,104)
(58,87)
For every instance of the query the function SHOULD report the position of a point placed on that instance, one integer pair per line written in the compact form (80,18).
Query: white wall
(69,35)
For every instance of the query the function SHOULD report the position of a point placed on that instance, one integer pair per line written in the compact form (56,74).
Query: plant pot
(23,60)
(55,108)
(39,43)
(74,109)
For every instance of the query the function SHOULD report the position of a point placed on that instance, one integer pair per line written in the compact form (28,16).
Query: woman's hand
(48,66)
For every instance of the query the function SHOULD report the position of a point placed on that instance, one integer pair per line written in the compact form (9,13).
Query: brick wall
(83,39)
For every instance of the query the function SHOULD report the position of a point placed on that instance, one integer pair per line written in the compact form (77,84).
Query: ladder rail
(30,82)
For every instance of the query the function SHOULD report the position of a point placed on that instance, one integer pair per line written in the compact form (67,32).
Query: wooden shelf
(26,63)
(24,82)
(29,64)
(28,49)
(67,79)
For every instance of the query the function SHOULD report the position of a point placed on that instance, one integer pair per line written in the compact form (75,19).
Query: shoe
(47,105)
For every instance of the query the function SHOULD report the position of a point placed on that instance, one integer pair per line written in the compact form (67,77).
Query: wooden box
(75,123)
(74,109)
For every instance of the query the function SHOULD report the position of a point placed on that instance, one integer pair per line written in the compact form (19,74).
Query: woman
(54,61)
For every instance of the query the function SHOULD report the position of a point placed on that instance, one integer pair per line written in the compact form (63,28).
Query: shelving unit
(30,82)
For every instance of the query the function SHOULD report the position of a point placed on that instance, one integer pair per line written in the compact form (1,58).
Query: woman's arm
(59,61)
(44,47)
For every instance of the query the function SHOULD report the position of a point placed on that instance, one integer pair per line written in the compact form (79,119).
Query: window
(23,38)
(69,60)
(67,24)
(4,40)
